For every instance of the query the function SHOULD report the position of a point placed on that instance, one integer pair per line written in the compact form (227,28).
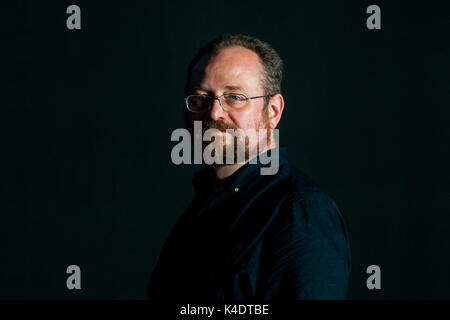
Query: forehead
(235,66)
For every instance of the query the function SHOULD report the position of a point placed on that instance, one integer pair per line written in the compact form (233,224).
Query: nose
(216,112)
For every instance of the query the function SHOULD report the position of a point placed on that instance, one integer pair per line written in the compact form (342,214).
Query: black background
(86,116)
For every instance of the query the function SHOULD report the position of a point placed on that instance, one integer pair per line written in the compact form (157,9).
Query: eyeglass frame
(220,102)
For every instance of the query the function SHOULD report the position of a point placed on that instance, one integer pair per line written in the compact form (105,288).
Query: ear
(275,109)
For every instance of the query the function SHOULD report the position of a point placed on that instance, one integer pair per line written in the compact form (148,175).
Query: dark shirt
(262,237)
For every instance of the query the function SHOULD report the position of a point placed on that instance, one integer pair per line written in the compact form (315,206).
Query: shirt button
(236,189)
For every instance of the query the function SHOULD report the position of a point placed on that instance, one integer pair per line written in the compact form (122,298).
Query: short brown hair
(270,60)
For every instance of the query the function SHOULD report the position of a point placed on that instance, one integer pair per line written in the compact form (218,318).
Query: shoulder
(300,187)
(307,247)
(307,209)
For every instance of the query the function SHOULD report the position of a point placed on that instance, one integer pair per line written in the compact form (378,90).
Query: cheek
(257,120)
(245,119)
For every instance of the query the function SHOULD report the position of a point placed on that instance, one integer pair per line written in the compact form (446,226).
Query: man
(247,235)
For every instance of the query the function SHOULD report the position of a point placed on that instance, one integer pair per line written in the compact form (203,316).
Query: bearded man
(249,235)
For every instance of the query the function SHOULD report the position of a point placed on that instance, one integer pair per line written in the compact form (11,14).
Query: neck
(218,173)
(222,172)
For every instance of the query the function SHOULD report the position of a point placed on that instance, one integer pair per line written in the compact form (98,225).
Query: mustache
(219,125)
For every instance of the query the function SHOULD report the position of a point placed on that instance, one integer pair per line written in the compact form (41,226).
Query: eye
(198,102)
(236,97)
(203,97)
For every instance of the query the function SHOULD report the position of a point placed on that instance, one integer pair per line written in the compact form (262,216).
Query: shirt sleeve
(307,253)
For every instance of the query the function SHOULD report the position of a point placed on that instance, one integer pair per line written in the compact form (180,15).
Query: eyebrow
(233,88)
(197,89)
(228,87)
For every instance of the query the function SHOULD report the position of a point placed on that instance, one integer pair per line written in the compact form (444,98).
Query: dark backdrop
(86,118)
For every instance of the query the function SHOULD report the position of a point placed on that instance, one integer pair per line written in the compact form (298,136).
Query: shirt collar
(239,179)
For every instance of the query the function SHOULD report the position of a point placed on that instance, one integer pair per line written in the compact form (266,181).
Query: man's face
(232,70)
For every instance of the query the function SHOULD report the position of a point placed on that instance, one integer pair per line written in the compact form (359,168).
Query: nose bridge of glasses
(213,99)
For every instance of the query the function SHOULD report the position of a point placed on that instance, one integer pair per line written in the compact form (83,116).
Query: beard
(231,144)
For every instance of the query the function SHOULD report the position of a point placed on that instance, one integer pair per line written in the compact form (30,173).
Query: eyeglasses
(228,101)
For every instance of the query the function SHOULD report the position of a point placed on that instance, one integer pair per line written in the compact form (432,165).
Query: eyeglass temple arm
(267,95)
